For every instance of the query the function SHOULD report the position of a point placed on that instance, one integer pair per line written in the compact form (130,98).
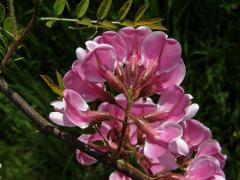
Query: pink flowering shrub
(161,135)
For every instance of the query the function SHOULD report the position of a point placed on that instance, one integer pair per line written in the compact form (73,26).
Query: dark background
(209,33)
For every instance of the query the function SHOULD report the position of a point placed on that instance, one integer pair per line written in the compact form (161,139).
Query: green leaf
(108,24)
(158,27)
(124,9)
(104,9)
(60,80)
(82,8)
(141,11)
(4,40)
(2,12)
(17,59)
(84,21)
(59,6)
(51,84)
(148,22)
(128,23)
(2,50)
(7,25)
(49,24)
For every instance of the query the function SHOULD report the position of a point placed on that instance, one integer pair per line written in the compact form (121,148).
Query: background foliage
(209,31)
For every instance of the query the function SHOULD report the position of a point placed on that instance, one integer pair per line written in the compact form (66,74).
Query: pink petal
(113,109)
(153,46)
(169,132)
(115,40)
(202,168)
(191,111)
(115,175)
(167,160)
(81,53)
(101,58)
(179,146)
(73,80)
(156,47)
(156,166)
(195,133)
(141,107)
(91,45)
(60,119)
(171,56)
(153,150)
(58,105)
(167,79)
(157,141)
(83,158)
(75,108)
(134,38)
(211,148)
(174,102)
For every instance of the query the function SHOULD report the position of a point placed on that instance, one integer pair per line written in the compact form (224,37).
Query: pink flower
(74,80)
(98,59)
(212,148)
(204,168)
(138,49)
(139,108)
(74,111)
(118,176)
(195,133)
(89,139)
(159,133)
(172,105)
(59,116)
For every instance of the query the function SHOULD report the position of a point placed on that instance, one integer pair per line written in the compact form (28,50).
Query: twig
(13,18)
(73,20)
(12,48)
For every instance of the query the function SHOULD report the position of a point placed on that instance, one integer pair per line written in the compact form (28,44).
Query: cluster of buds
(132,79)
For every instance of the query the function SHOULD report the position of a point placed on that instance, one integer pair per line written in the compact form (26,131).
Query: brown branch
(47,128)
(12,48)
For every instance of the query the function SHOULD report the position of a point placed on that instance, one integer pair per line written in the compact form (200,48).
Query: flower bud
(114,81)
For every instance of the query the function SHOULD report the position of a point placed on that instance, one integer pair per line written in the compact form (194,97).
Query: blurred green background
(209,31)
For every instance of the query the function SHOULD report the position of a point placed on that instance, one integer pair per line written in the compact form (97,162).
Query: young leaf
(103,9)
(59,6)
(82,8)
(51,84)
(84,21)
(2,12)
(49,24)
(60,80)
(124,9)
(2,50)
(141,11)
(148,22)
(128,23)
(108,24)
(4,40)
(7,25)
(158,27)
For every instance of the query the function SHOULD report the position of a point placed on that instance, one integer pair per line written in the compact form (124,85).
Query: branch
(47,128)
(12,48)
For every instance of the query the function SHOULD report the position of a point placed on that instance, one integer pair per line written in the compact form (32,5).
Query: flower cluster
(139,111)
